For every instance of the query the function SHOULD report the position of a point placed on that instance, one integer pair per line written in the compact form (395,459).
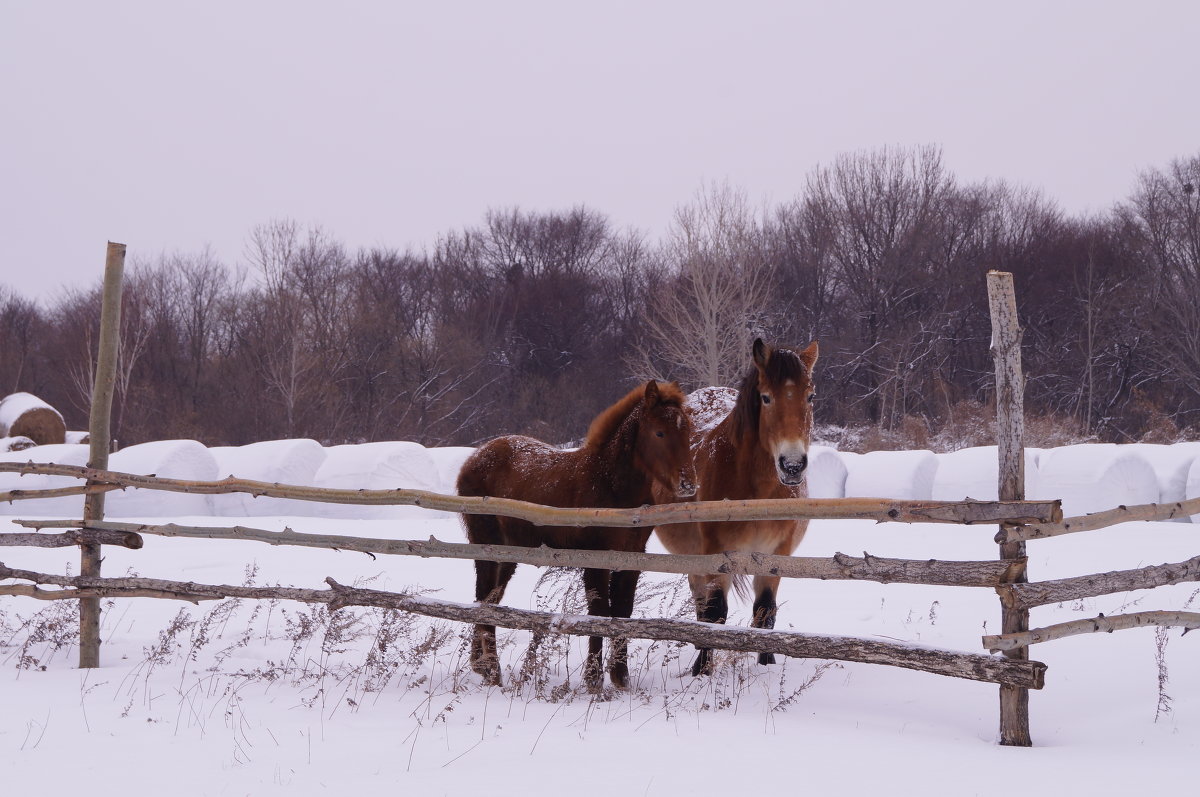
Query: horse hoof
(488,671)
(593,677)
(619,676)
(703,664)
(766,658)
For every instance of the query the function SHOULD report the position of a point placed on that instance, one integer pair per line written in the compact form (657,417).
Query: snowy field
(260,698)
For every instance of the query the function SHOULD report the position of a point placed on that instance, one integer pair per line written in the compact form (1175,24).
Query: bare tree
(712,296)
(1165,208)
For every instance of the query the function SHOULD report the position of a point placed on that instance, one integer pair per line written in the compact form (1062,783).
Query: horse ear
(652,392)
(809,356)
(761,353)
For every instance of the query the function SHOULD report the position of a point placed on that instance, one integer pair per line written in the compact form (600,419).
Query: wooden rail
(966,512)
(1100,520)
(1117,622)
(123,538)
(973,666)
(839,567)
(1027,596)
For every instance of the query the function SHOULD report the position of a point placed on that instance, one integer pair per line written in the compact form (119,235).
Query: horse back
(525,469)
(521,468)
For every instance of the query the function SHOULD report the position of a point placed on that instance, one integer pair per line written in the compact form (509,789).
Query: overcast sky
(171,125)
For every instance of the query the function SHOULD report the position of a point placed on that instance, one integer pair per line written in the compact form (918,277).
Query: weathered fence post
(99,434)
(1010,430)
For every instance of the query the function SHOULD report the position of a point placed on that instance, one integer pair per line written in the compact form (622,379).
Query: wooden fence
(986,574)
(1020,521)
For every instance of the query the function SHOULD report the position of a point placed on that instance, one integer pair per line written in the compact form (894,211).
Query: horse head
(782,399)
(663,439)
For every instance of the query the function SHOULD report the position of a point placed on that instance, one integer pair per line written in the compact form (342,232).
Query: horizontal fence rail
(966,512)
(1040,593)
(839,567)
(1117,622)
(77,536)
(1100,520)
(973,666)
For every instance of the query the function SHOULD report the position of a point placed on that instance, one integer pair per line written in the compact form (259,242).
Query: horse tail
(740,583)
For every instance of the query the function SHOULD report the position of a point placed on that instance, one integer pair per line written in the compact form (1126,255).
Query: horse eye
(811,396)
(658,433)
(766,399)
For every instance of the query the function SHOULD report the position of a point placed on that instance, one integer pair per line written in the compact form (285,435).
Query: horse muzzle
(791,469)
(687,487)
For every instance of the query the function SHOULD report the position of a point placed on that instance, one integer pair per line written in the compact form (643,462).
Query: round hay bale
(974,473)
(19,443)
(383,465)
(26,415)
(892,474)
(1192,485)
(79,438)
(278,461)
(1171,464)
(708,406)
(449,461)
(64,506)
(1093,477)
(827,471)
(171,459)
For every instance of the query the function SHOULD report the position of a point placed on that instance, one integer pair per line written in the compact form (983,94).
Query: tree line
(532,322)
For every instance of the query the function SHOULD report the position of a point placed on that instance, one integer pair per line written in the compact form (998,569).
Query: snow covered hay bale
(1192,488)
(276,461)
(708,406)
(79,437)
(169,459)
(66,506)
(26,415)
(1092,477)
(891,474)
(973,473)
(827,472)
(376,466)
(449,461)
(1171,464)
(18,443)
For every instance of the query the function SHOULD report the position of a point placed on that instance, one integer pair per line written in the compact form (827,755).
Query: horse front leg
(711,607)
(621,600)
(765,590)
(596,586)
(490,580)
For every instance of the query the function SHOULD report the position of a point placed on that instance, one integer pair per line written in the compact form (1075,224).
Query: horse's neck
(751,457)
(614,461)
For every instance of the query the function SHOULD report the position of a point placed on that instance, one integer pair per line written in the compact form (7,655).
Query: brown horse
(640,441)
(760,450)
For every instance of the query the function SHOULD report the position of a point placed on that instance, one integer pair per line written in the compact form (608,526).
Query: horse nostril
(793,467)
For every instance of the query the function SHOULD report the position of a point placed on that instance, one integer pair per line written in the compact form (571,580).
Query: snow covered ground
(255,698)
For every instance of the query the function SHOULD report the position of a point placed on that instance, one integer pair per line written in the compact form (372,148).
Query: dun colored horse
(639,442)
(760,450)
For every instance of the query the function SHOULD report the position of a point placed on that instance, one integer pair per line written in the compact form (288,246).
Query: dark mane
(782,365)
(608,422)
